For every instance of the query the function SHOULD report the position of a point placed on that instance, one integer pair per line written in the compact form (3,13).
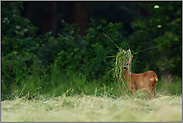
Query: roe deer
(147,80)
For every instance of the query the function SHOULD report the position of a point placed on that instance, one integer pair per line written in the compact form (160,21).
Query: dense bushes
(88,54)
(161,31)
(53,62)
(80,63)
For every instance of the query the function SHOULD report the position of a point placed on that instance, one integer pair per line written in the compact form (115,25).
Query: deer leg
(133,90)
(154,88)
(150,91)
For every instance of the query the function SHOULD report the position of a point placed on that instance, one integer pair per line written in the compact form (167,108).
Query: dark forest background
(49,47)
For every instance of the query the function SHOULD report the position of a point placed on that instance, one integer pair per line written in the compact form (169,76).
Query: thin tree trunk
(143,7)
(28,10)
(78,13)
(49,17)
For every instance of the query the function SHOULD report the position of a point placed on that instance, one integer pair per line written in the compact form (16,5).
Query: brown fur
(147,80)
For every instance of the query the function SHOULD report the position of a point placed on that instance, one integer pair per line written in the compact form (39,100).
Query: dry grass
(90,108)
(121,57)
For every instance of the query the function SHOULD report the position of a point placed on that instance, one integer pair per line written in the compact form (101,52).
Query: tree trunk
(143,7)
(78,13)
(49,17)
(28,13)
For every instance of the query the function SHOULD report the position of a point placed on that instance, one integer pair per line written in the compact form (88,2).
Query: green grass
(83,101)
(84,108)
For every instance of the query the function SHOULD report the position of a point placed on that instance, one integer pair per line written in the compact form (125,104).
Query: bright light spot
(156,7)
(5,20)
(26,30)
(159,26)
(17,27)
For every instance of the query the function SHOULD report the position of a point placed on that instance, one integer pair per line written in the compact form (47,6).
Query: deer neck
(127,75)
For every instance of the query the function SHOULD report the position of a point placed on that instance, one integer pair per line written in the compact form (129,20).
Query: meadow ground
(83,108)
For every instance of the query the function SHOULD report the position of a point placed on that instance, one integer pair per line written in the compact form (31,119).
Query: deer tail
(154,79)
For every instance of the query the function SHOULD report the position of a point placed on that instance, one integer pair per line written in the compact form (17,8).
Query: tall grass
(121,57)
(60,82)
(71,97)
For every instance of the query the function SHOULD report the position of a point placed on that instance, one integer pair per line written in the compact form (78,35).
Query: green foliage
(170,86)
(16,58)
(162,29)
(13,25)
(88,54)
(32,64)
(52,62)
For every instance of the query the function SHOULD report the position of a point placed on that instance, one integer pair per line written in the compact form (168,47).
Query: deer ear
(131,58)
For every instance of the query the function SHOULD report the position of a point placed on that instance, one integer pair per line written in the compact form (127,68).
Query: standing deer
(147,80)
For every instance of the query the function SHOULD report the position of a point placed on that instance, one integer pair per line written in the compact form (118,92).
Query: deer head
(126,64)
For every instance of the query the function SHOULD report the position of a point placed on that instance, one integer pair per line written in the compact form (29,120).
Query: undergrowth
(78,84)
(80,100)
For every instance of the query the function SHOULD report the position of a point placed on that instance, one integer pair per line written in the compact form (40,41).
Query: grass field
(84,108)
